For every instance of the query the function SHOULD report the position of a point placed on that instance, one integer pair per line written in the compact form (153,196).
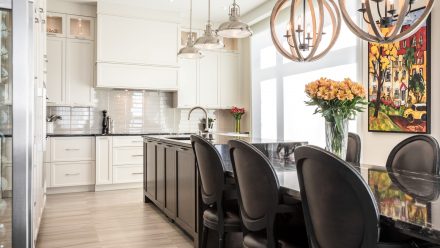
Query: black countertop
(111,134)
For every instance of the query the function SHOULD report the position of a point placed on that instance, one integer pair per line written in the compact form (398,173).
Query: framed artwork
(399,94)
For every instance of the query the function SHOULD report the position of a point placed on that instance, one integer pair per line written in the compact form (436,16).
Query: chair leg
(204,237)
(221,240)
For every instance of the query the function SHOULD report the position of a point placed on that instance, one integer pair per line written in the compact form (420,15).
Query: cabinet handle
(137,173)
(73,174)
(37,20)
(43,21)
(137,155)
(136,141)
(69,149)
(41,10)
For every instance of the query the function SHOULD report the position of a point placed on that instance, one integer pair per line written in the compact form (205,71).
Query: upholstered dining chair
(339,208)
(222,214)
(353,148)
(261,205)
(419,154)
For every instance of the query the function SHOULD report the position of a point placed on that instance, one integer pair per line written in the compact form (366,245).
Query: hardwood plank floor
(110,219)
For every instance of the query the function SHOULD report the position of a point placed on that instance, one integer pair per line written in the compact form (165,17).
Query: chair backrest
(419,153)
(257,183)
(353,148)
(211,169)
(339,208)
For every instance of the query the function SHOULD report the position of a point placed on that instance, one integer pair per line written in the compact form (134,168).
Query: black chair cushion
(231,218)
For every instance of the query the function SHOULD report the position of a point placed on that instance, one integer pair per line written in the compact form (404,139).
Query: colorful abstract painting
(399,82)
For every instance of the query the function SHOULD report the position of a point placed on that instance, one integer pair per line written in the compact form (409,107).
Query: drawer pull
(69,149)
(136,141)
(137,155)
(137,173)
(73,174)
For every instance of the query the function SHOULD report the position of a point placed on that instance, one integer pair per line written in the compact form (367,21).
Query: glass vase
(336,136)
(237,125)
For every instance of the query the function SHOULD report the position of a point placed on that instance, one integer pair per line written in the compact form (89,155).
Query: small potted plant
(237,113)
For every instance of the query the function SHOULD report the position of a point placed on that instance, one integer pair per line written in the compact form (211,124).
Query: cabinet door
(56,24)
(186,189)
(208,80)
(170,182)
(104,164)
(229,80)
(56,91)
(187,92)
(151,169)
(137,41)
(80,27)
(160,175)
(80,71)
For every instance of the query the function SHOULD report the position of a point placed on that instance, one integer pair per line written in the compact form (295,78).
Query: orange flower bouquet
(337,102)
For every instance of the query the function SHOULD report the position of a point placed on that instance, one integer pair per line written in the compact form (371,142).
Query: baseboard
(70,189)
(105,187)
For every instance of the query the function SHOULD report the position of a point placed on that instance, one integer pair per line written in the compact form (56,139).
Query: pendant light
(234,28)
(385,19)
(305,29)
(189,51)
(210,40)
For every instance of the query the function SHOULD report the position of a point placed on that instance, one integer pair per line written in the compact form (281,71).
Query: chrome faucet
(207,130)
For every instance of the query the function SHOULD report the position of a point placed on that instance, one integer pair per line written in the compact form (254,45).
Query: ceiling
(219,8)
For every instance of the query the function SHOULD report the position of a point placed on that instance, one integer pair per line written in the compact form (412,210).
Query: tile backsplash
(132,111)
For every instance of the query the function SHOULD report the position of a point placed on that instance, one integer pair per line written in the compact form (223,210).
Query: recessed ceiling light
(171,1)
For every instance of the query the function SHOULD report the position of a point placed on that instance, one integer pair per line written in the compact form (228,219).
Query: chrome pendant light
(210,40)
(189,51)
(234,28)
(305,29)
(385,19)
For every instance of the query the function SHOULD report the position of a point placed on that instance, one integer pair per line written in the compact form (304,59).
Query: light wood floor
(111,219)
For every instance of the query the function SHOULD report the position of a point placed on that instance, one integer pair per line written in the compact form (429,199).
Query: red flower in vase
(237,112)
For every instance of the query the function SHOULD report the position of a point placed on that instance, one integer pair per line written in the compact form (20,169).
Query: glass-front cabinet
(56,24)
(80,27)
(5,128)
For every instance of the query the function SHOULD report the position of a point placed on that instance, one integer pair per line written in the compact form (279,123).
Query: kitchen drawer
(72,174)
(128,141)
(72,149)
(128,174)
(128,155)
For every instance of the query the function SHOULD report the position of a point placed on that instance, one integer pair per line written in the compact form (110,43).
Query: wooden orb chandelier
(305,28)
(384,19)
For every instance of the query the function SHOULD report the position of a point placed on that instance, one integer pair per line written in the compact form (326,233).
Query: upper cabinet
(70,60)
(132,46)
(212,82)
(81,27)
(56,24)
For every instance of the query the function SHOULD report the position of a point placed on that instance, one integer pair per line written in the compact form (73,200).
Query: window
(278,108)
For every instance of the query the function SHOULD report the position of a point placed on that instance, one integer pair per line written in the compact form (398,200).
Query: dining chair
(339,208)
(219,195)
(419,153)
(353,148)
(263,209)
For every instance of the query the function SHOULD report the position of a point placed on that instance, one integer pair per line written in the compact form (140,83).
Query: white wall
(377,146)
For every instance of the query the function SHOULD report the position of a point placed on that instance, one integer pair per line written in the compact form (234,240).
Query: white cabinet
(72,174)
(208,80)
(80,72)
(70,64)
(56,24)
(71,149)
(229,80)
(134,53)
(137,41)
(187,92)
(104,168)
(128,174)
(56,70)
(127,159)
(123,76)
(212,82)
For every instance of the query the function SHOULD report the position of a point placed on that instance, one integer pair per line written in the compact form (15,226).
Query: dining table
(407,201)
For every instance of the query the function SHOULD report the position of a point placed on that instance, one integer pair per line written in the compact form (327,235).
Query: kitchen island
(171,178)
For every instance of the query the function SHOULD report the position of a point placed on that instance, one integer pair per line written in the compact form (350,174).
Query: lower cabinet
(72,174)
(186,189)
(171,182)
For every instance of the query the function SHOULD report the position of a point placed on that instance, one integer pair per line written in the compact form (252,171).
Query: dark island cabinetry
(171,182)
